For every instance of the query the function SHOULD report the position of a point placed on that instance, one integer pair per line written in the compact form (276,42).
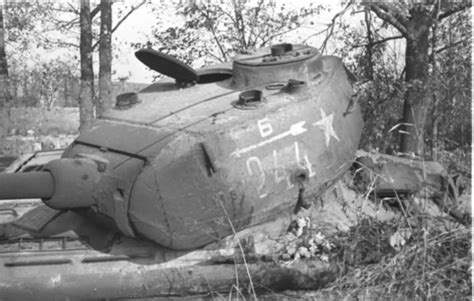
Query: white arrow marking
(295,130)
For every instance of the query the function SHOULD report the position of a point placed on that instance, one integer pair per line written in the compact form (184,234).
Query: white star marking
(326,125)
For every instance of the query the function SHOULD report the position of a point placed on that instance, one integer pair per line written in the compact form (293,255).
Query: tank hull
(193,167)
(156,187)
(184,164)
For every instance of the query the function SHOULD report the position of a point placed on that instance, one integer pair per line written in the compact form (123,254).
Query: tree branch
(331,26)
(239,24)
(454,9)
(220,59)
(211,28)
(227,14)
(451,45)
(73,9)
(386,15)
(64,10)
(66,25)
(283,28)
(221,49)
(393,10)
(95,11)
(315,34)
(436,9)
(252,39)
(134,8)
(269,38)
(60,43)
(379,41)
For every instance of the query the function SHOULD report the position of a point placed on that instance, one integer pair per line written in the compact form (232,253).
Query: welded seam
(160,199)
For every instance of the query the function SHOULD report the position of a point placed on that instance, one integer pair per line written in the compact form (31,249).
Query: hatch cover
(167,65)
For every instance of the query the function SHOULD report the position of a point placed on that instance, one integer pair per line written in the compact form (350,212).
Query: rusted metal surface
(182,162)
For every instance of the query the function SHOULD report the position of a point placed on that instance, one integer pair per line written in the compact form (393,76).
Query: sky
(138,25)
(137,28)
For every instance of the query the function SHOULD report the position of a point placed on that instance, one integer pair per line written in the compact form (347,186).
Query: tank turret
(187,158)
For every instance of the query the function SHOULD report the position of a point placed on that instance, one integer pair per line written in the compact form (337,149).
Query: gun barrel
(26,185)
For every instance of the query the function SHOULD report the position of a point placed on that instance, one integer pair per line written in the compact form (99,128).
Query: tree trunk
(105,57)
(5,97)
(417,98)
(86,96)
(370,66)
(434,138)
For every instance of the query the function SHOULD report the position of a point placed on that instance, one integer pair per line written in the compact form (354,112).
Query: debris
(388,176)
(399,238)
(304,242)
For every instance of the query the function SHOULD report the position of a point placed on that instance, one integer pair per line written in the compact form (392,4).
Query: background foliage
(214,32)
(42,50)
(42,54)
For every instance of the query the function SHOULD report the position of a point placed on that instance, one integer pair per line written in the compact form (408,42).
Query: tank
(141,201)
(201,154)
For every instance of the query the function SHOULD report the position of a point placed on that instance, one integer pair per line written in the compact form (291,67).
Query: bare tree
(105,57)
(415,21)
(86,97)
(5,96)
(215,31)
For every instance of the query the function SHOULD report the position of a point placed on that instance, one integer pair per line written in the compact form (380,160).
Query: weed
(242,253)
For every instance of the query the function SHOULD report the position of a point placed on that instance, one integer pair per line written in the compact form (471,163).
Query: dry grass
(434,264)
(432,260)
(242,253)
